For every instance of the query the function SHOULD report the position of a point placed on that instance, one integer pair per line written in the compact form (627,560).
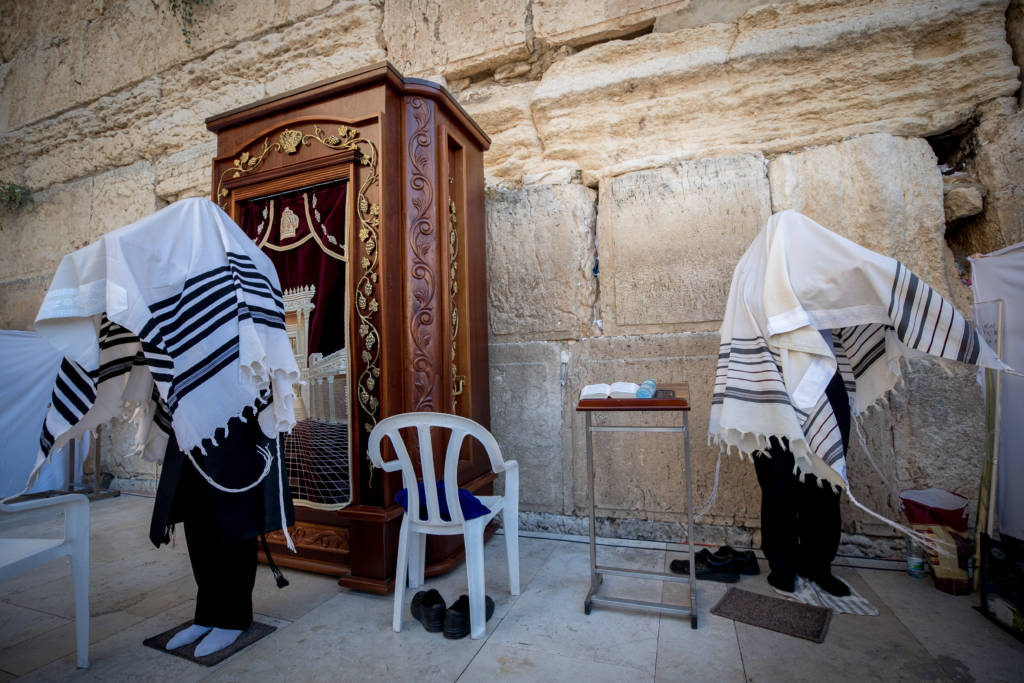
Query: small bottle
(915,559)
(647,389)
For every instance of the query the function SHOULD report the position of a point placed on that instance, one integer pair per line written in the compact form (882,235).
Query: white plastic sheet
(1000,275)
(27,373)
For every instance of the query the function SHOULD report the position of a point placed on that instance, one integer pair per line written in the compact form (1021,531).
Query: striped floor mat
(810,593)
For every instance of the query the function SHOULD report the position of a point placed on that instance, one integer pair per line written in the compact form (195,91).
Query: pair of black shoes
(724,565)
(428,608)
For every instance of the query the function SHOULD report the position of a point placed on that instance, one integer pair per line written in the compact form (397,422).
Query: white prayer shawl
(178,315)
(773,366)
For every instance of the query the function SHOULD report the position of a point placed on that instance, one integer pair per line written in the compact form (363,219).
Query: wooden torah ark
(415,309)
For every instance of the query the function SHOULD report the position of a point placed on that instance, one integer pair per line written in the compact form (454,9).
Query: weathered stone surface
(642,475)
(1015,33)
(882,192)
(577,22)
(540,259)
(781,78)
(128,42)
(164,115)
(45,77)
(457,38)
(999,165)
(20,300)
(696,14)
(37,237)
(929,432)
(24,23)
(69,216)
(669,239)
(185,174)
(962,201)
(120,197)
(527,419)
(5,103)
(503,111)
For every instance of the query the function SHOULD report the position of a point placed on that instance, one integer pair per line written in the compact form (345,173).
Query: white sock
(188,635)
(218,639)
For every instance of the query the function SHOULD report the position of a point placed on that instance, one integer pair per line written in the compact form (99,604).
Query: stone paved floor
(325,633)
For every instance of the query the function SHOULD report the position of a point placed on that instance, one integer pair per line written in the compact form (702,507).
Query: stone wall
(638,146)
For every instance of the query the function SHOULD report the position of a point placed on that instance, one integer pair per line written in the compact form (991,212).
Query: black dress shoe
(456,620)
(683,566)
(428,609)
(709,568)
(745,561)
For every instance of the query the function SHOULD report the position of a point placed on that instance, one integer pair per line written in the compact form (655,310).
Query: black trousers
(225,574)
(800,521)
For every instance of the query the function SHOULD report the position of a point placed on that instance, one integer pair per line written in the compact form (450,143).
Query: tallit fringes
(928,542)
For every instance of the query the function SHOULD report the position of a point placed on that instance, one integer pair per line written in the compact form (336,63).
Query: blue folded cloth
(470,504)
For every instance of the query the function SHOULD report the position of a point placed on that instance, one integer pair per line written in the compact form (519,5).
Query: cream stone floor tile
(856,647)
(326,633)
(548,618)
(966,644)
(508,663)
(32,653)
(18,624)
(709,653)
(304,592)
(122,657)
(349,638)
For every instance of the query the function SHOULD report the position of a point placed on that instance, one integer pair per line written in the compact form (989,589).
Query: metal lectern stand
(679,404)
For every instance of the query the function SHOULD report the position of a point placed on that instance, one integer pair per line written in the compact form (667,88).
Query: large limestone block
(120,197)
(503,111)
(782,77)
(575,22)
(540,261)
(641,475)
(882,192)
(527,419)
(999,165)
(165,115)
(929,432)
(20,300)
(45,77)
(185,174)
(38,236)
(26,23)
(669,239)
(455,38)
(131,41)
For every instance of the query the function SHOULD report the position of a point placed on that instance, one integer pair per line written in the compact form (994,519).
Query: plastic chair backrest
(459,428)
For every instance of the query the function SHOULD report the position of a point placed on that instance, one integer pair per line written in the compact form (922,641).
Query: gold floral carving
(367,303)
(458,381)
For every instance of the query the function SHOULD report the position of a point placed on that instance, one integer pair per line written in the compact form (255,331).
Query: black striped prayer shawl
(178,317)
(773,364)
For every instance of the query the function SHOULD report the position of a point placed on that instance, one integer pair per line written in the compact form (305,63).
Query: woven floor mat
(255,632)
(785,616)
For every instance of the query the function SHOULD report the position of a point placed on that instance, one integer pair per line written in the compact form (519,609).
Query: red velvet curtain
(317,216)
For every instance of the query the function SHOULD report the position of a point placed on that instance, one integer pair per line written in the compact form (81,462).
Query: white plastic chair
(411,552)
(18,555)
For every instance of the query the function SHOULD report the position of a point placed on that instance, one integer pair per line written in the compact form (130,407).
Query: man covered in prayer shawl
(813,332)
(179,316)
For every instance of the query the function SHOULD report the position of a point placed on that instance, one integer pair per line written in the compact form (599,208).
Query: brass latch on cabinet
(460,384)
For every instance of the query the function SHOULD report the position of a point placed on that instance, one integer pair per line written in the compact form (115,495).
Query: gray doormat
(766,611)
(255,631)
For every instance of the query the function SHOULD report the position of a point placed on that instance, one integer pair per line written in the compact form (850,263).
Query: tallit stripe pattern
(190,325)
(878,311)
